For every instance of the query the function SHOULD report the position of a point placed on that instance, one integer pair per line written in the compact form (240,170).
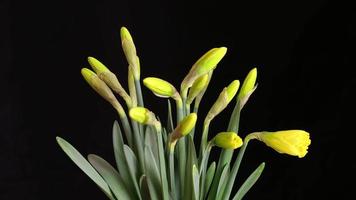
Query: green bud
(101,88)
(160,87)
(197,87)
(184,127)
(227,140)
(249,84)
(142,115)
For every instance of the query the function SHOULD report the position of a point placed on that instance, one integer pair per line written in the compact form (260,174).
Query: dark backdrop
(304,51)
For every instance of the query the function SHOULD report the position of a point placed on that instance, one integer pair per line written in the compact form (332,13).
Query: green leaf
(133,167)
(120,158)
(250,181)
(152,173)
(84,165)
(111,176)
(144,187)
(191,160)
(162,167)
(223,180)
(151,141)
(208,179)
(196,177)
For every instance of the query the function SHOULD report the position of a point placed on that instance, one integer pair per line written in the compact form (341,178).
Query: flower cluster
(162,162)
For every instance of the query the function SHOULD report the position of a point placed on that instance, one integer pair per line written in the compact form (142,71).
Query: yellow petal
(292,142)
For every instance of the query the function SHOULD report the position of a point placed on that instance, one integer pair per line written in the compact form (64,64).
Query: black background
(304,51)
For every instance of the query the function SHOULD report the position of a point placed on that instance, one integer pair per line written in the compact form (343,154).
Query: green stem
(138,145)
(171,170)
(204,138)
(140,100)
(179,107)
(226,154)
(127,129)
(235,168)
(195,110)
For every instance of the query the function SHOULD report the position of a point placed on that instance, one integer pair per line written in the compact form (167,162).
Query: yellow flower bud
(227,140)
(139,114)
(142,115)
(97,66)
(209,60)
(160,87)
(232,89)
(248,84)
(184,127)
(204,65)
(125,34)
(101,88)
(292,142)
(197,87)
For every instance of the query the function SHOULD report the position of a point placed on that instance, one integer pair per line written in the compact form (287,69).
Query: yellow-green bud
(227,140)
(232,89)
(184,127)
(101,88)
(97,66)
(125,34)
(223,100)
(209,60)
(159,87)
(109,78)
(204,65)
(130,52)
(249,84)
(292,142)
(142,115)
(197,87)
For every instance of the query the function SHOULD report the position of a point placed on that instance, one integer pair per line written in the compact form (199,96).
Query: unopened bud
(160,87)
(227,140)
(184,127)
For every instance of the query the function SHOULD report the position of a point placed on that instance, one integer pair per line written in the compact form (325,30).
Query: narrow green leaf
(162,164)
(223,179)
(111,176)
(250,181)
(151,141)
(132,164)
(208,179)
(84,165)
(195,174)
(120,158)
(144,187)
(191,160)
(152,173)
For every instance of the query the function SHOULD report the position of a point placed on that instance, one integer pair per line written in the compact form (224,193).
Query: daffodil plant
(155,161)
